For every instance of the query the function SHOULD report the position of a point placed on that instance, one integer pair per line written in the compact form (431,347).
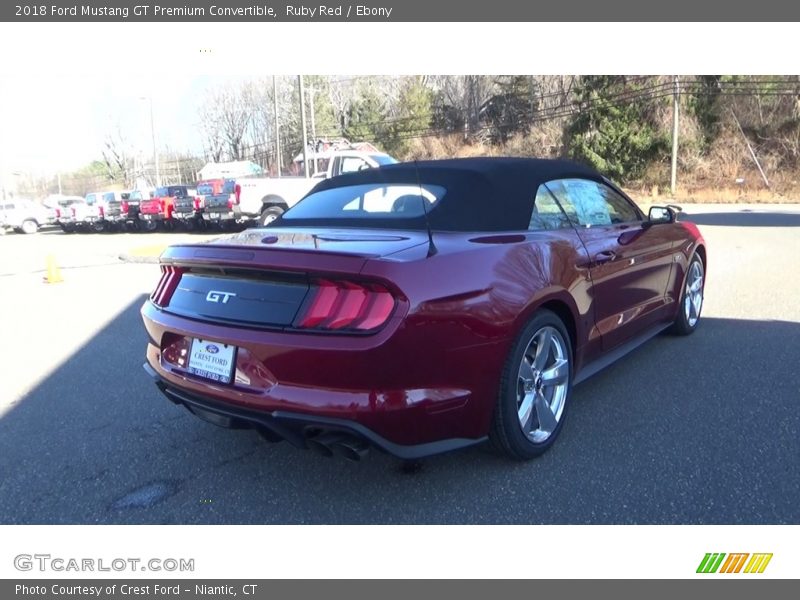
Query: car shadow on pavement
(745,218)
(686,430)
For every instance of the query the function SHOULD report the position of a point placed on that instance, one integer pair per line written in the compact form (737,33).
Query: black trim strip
(291,426)
(617,353)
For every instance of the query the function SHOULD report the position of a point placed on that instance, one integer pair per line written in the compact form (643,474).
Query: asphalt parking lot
(704,429)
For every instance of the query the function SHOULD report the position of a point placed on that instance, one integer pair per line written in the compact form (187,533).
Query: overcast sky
(63,85)
(60,121)
(62,91)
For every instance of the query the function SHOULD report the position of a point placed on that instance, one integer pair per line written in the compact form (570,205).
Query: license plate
(148,217)
(214,215)
(212,360)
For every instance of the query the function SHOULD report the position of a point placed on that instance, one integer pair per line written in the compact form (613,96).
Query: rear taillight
(198,202)
(170,277)
(345,305)
(237,193)
(124,207)
(58,213)
(72,209)
(101,211)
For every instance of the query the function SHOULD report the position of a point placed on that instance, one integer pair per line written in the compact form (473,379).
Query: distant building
(240,168)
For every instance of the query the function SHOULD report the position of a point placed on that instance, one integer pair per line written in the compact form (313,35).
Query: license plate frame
(204,360)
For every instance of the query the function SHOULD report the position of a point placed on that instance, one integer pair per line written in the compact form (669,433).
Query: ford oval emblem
(212,349)
(270,239)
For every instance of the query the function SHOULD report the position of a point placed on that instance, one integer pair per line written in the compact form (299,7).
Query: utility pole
(277,125)
(313,126)
(153,135)
(303,123)
(675,119)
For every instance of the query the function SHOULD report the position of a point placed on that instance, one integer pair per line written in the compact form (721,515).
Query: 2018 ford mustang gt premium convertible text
(422,307)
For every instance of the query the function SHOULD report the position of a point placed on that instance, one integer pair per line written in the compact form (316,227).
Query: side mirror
(660,214)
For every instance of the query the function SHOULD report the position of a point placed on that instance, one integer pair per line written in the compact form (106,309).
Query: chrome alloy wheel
(693,295)
(542,384)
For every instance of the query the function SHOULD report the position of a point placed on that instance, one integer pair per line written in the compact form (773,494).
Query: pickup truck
(129,207)
(102,211)
(188,210)
(264,199)
(89,215)
(64,214)
(219,198)
(159,210)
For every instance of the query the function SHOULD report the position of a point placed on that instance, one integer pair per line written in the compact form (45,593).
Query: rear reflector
(170,277)
(345,305)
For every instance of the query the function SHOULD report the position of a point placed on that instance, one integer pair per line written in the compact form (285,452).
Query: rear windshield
(108,197)
(367,202)
(175,191)
(209,188)
(136,195)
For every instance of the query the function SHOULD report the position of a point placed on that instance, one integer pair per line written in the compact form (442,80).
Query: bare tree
(118,156)
(225,114)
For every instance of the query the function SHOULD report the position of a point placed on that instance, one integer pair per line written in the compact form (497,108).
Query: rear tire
(29,227)
(691,304)
(269,214)
(534,389)
(148,226)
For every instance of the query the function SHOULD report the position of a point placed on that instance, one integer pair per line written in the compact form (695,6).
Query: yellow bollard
(53,272)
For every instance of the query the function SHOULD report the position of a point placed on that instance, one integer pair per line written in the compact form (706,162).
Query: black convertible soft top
(483,194)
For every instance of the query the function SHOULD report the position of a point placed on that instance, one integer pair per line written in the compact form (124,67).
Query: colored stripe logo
(719,562)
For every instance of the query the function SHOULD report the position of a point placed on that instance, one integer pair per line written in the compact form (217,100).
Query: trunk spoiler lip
(234,252)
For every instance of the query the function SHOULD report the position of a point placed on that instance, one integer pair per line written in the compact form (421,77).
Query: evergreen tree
(613,130)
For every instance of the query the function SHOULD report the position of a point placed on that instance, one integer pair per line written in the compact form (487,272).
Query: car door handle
(605,256)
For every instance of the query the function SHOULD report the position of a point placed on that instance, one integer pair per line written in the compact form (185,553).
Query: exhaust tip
(351,449)
(319,448)
(323,442)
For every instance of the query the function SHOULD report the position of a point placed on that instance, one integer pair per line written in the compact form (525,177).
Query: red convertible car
(423,307)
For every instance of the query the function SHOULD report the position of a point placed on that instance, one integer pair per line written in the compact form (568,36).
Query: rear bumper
(219,215)
(402,389)
(117,218)
(295,428)
(186,215)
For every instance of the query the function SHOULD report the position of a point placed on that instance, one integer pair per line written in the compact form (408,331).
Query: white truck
(264,199)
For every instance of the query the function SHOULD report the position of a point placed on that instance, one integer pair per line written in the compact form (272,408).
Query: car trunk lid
(264,277)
